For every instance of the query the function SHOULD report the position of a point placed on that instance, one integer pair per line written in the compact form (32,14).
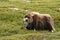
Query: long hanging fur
(40,22)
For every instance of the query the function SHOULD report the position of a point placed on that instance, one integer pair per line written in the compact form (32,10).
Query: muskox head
(28,19)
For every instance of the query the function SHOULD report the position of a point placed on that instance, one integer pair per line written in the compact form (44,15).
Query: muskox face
(28,19)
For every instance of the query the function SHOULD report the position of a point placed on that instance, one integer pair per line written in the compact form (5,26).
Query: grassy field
(11,20)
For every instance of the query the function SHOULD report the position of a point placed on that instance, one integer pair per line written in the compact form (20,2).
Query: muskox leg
(50,24)
(30,27)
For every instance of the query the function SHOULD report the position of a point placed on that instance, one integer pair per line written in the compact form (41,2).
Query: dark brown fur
(41,23)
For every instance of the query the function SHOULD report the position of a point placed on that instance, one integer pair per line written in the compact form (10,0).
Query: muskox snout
(25,21)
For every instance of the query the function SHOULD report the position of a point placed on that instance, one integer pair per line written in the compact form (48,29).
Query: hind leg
(51,24)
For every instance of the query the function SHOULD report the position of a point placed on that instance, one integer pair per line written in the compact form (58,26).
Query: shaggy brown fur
(40,22)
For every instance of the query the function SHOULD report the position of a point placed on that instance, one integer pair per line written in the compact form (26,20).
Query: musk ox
(37,21)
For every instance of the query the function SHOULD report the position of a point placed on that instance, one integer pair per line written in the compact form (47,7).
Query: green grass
(11,22)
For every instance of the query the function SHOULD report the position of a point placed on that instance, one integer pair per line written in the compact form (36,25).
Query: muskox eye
(26,20)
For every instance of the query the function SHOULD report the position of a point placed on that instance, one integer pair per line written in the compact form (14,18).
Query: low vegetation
(11,20)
